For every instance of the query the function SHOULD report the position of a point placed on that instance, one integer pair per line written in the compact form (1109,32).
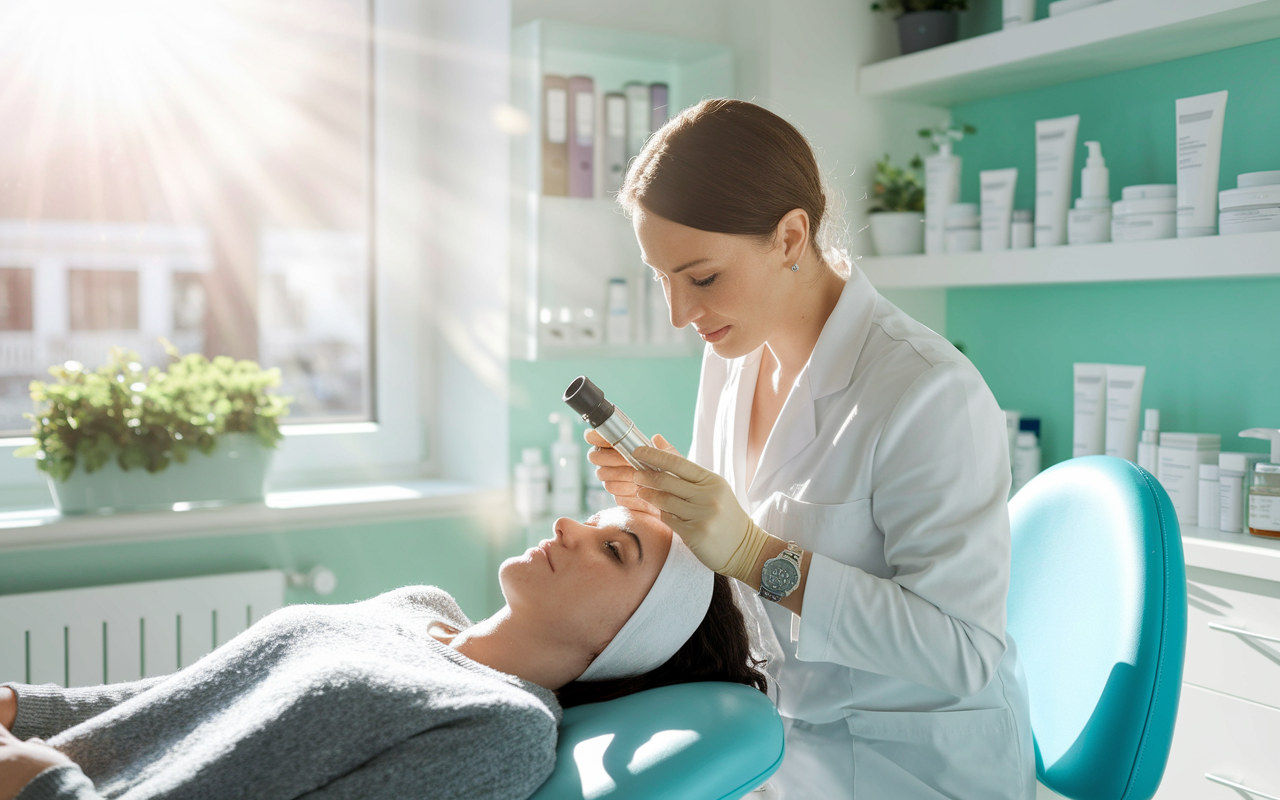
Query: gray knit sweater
(341,701)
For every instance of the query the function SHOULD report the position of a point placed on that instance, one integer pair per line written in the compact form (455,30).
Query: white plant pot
(235,472)
(897,233)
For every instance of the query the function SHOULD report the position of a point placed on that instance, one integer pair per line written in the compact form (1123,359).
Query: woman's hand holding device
(619,476)
(700,505)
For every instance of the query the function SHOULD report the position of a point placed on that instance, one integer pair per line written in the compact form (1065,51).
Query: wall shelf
(1239,553)
(1113,36)
(1242,255)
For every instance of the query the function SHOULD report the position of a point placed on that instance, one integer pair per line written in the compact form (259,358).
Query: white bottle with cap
(531,485)
(1264,490)
(1149,446)
(1090,221)
(1234,469)
(566,469)
(1209,508)
(1026,459)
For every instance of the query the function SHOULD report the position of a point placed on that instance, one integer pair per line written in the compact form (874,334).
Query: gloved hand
(617,475)
(700,505)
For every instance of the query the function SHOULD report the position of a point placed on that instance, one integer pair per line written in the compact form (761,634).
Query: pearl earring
(795,267)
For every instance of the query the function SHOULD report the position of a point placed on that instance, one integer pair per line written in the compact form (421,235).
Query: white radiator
(109,634)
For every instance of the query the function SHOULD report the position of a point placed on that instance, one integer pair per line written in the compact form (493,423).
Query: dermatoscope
(585,398)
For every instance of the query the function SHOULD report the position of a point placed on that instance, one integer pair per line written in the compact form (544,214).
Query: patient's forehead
(620,518)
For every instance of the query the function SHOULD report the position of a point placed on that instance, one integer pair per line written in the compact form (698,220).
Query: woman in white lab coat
(829,419)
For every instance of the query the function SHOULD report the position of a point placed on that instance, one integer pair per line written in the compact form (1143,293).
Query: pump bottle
(941,190)
(1149,446)
(566,469)
(1090,221)
(1264,490)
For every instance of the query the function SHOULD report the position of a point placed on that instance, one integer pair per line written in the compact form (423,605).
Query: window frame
(393,445)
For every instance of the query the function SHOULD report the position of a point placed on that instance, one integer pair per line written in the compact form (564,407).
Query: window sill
(281,511)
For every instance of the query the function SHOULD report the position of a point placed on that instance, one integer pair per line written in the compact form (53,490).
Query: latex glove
(619,476)
(700,505)
(21,761)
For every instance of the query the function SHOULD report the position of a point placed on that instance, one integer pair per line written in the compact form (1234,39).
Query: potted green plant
(897,216)
(129,438)
(924,23)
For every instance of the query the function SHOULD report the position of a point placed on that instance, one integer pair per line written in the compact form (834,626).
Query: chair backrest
(1098,608)
(692,741)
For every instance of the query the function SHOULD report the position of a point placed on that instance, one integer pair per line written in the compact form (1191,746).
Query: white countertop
(1239,553)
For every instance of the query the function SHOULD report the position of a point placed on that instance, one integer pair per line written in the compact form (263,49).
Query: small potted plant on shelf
(897,218)
(924,23)
(129,438)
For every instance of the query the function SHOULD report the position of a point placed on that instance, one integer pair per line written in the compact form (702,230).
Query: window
(198,170)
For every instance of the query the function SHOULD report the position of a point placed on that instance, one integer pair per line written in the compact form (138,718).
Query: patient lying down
(399,696)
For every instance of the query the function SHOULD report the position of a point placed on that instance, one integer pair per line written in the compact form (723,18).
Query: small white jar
(1090,221)
(1252,208)
(1023,233)
(1145,212)
(962,228)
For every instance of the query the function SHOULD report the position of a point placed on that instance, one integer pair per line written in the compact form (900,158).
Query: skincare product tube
(1019,12)
(1088,438)
(1055,161)
(1199,122)
(997,207)
(941,189)
(1124,401)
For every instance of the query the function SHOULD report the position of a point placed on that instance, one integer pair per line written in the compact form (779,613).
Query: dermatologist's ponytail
(729,166)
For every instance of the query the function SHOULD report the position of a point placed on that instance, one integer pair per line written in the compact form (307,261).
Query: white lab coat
(889,462)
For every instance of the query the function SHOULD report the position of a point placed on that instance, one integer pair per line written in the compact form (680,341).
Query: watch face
(779,575)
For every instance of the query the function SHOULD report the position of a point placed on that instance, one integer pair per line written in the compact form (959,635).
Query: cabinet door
(1234,741)
(1233,636)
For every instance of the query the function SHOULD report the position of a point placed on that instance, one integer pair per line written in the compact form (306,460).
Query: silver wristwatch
(781,574)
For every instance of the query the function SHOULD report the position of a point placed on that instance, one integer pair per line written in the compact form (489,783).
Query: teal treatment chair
(1098,608)
(692,741)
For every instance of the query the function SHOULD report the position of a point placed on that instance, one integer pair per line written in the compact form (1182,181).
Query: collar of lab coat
(836,353)
(829,369)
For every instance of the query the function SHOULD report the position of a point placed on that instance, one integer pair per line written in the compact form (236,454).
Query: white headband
(666,618)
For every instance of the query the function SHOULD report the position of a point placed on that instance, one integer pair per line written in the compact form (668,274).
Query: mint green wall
(367,559)
(1132,114)
(1209,367)
(1207,344)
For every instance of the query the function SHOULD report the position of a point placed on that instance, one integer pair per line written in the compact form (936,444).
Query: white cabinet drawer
(1233,740)
(1233,635)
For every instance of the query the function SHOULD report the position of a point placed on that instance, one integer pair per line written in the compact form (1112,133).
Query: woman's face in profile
(585,582)
(727,286)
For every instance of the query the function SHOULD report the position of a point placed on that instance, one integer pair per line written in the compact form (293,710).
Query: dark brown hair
(727,166)
(719,650)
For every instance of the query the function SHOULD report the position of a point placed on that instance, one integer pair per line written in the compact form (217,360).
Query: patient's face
(584,583)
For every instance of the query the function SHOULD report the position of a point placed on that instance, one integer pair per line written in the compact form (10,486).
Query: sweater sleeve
(48,709)
(63,782)
(482,758)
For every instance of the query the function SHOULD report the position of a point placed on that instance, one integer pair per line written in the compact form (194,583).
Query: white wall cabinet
(565,249)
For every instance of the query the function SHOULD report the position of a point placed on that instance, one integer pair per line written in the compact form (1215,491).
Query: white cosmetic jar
(1145,212)
(962,228)
(1250,210)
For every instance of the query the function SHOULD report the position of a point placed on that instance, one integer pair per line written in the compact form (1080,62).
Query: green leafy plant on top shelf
(897,189)
(146,417)
(952,132)
(908,6)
